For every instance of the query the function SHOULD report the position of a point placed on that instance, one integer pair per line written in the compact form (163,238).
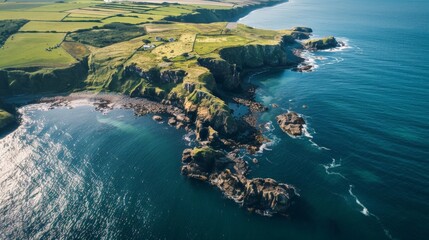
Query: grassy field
(105,31)
(29,49)
(133,18)
(42,26)
(43,16)
(173,49)
(205,44)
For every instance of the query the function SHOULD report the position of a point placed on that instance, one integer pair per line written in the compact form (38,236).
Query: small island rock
(291,123)
(321,44)
(157,118)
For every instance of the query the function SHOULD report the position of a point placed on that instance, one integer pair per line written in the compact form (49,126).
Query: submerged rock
(291,123)
(172,121)
(157,118)
(303,68)
(321,44)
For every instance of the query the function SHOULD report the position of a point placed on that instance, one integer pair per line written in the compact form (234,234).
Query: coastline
(215,159)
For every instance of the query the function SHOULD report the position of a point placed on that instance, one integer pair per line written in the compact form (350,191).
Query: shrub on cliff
(9,27)
(108,34)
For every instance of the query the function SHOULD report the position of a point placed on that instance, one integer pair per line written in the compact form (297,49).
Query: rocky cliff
(19,81)
(235,62)
(221,15)
(228,173)
(321,43)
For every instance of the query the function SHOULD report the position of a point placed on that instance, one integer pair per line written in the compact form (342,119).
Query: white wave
(306,132)
(273,140)
(317,146)
(310,59)
(189,138)
(332,165)
(364,210)
(269,126)
(263,148)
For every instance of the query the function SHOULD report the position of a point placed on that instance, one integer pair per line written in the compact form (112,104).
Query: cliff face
(237,60)
(221,15)
(44,80)
(225,74)
(210,111)
(258,56)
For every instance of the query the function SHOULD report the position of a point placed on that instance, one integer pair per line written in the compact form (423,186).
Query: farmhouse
(148,47)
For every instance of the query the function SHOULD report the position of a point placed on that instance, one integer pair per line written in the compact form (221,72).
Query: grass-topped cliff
(190,56)
(138,49)
(6,118)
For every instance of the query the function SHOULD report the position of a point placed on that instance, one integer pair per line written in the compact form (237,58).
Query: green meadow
(42,26)
(30,50)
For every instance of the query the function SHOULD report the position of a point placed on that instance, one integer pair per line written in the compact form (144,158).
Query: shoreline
(215,159)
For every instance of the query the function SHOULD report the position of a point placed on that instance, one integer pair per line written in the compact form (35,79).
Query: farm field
(205,44)
(29,49)
(42,26)
(41,16)
(171,50)
(133,18)
(93,26)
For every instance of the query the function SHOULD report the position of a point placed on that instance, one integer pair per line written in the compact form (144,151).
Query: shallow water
(362,170)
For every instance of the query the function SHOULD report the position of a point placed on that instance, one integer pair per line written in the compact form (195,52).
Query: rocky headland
(322,43)
(191,91)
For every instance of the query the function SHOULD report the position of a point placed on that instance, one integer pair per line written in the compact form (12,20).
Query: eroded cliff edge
(198,73)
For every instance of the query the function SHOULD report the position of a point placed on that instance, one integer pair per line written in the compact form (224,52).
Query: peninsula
(186,61)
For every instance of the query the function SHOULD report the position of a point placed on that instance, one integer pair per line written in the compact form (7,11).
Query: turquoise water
(362,170)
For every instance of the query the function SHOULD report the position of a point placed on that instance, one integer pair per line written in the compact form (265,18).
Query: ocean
(362,168)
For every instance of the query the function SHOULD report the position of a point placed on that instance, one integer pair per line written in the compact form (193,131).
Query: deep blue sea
(362,169)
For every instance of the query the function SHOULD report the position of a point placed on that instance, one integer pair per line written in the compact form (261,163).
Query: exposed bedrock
(301,33)
(321,43)
(35,80)
(236,61)
(225,74)
(291,123)
(228,173)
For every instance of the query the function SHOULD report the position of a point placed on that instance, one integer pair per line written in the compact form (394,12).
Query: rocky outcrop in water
(291,123)
(301,33)
(321,44)
(260,195)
